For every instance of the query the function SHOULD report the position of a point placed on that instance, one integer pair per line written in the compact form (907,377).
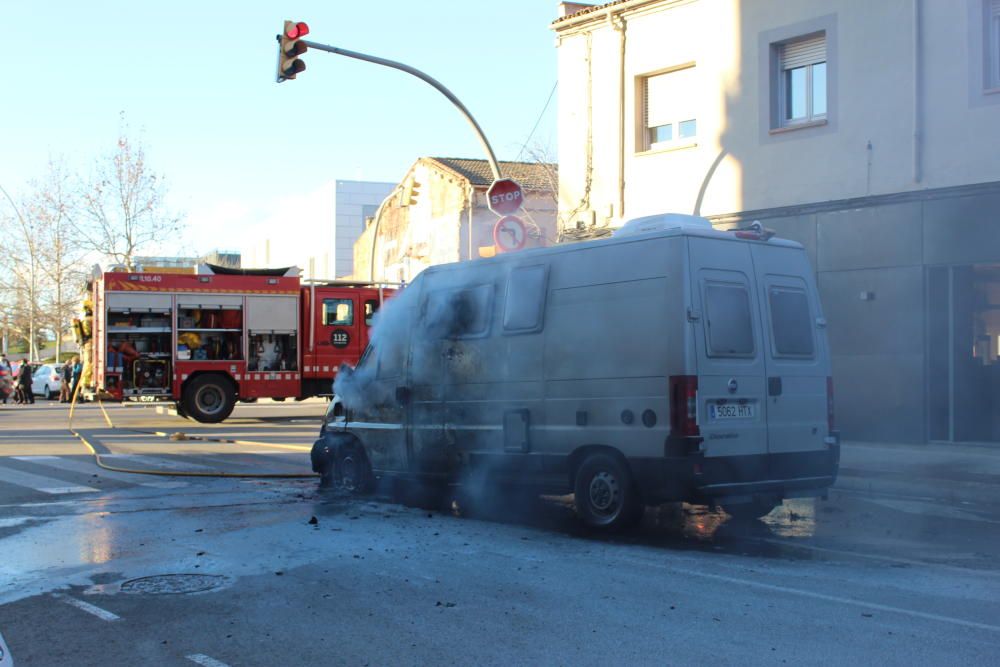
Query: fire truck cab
(215,336)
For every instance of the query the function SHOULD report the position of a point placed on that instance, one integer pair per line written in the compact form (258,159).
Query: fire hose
(161,434)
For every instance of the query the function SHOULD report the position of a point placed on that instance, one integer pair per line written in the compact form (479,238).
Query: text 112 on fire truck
(216,336)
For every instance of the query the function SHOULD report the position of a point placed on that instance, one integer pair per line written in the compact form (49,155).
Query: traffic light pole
(494,166)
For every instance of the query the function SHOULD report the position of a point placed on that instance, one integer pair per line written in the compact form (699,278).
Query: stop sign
(504,196)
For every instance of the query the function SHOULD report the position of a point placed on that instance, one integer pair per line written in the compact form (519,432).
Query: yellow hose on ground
(184,473)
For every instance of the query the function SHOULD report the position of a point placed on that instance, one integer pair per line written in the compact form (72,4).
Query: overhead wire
(537,121)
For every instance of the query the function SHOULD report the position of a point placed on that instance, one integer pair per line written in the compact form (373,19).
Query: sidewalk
(967,474)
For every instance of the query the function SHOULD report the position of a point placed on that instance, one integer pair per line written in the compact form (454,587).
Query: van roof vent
(662,222)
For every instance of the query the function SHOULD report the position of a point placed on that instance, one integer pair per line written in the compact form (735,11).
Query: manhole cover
(174,584)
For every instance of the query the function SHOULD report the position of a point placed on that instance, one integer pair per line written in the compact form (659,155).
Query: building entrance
(963,335)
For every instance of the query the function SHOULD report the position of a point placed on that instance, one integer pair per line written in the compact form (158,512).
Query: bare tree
(123,211)
(52,208)
(22,277)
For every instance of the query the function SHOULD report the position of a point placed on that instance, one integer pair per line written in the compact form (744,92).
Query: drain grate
(174,584)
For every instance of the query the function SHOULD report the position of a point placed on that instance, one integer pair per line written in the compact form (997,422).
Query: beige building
(438,214)
(869,131)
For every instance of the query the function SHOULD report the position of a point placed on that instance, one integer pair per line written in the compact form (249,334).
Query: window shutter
(806,52)
(670,97)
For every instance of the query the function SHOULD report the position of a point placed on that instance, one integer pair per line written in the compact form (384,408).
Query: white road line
(102,614)
(879,557)
(6,659)
(38,483)
(155,462)
(834,598)
(88,467)
(203,659)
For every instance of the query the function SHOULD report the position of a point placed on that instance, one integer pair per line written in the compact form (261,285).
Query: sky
(241,154)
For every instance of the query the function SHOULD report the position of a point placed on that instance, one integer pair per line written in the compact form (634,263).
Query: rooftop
(538,176)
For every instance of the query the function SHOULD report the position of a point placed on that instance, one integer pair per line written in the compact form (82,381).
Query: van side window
(730,328)
(338,312)
(791,322)
(458,313)
(524,305)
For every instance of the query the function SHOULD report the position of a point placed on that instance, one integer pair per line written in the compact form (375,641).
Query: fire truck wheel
(181,412)
(355,471)
(605,494)
(209,398)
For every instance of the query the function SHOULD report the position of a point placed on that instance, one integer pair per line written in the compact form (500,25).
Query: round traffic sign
(509,234)
(504,196)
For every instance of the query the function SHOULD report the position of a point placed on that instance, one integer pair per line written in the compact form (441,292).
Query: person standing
(6,379)
(75,376)
(24,382)
(65,378)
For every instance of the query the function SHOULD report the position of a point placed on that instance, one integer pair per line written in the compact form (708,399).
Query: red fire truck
(216,336)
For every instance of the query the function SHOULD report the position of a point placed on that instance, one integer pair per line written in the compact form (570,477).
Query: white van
(671,362)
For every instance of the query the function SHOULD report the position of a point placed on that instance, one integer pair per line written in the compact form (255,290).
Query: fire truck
(215,336)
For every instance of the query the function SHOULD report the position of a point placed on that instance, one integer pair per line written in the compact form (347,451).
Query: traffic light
(289,50)
(412,193)
(408,196)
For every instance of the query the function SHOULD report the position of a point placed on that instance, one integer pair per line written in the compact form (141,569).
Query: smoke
(413,333)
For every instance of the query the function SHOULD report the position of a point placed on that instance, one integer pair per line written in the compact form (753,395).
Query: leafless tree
(21,275)
(53,208)
(123,212)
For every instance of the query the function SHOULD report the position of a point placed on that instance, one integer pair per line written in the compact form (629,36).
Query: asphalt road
(112,568)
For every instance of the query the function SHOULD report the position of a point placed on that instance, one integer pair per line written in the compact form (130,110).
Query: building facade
(356,204)
(869,132)
(438,213)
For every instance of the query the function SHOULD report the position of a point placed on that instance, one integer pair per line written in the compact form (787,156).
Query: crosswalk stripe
(39,483)
(154,462)
(87,467)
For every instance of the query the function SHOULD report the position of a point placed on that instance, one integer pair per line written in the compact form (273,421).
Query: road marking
(89,468)
(203,659)
(834,598)
(102,614)
(154,462)
(885,559)
(38,483)
(6,659)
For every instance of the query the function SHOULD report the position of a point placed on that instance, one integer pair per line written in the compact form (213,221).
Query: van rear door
(796,357)
(732,412)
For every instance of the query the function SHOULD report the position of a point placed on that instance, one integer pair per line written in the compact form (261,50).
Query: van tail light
(829,404)
(684,405)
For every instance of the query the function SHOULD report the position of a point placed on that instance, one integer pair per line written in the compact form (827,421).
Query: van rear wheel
(605,493)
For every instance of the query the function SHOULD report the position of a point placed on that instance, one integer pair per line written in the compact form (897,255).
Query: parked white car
(46,380)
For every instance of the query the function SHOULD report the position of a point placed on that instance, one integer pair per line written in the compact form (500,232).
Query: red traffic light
(296,31)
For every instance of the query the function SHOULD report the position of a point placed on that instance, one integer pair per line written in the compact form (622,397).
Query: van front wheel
(605,494)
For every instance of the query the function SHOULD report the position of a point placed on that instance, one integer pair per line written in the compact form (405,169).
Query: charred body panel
(530,367)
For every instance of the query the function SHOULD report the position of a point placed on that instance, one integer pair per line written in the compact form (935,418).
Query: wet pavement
(898,566)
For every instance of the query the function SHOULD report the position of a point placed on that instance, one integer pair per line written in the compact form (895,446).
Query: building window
(993,43)
(802,81)
(668,104)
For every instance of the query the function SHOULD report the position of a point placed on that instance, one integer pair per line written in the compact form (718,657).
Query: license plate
(731,411)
